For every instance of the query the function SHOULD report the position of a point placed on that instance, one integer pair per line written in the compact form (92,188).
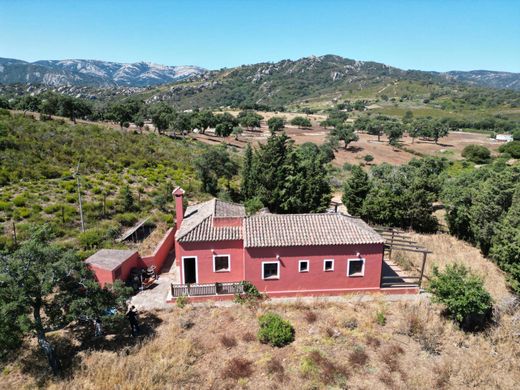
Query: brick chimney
(178,194)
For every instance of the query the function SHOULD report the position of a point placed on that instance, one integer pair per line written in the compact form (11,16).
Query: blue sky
(428,35)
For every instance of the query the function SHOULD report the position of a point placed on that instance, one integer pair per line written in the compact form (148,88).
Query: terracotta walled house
(282,255)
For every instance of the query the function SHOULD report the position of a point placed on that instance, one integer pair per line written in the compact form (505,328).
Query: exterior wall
(161,252)
(204,254)
(104,276)
(316,281)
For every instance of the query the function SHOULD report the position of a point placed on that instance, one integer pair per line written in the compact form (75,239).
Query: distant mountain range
(92,73)
(95,73)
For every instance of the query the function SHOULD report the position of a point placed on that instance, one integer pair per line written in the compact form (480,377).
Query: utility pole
(14,235)
(79,200)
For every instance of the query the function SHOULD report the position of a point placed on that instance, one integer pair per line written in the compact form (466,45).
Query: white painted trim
(271,262)
(229,263)
(328,270)
(362,270)
(196,268)
(308,265)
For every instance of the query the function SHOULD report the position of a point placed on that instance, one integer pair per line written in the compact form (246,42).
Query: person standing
(131,314)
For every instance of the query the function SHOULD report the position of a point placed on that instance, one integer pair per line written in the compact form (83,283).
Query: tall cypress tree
(248,186)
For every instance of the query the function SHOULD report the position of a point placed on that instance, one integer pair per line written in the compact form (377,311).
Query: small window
(328,265)
(271,270)
(221,263)
(117,273)
(356,267)
(303,265)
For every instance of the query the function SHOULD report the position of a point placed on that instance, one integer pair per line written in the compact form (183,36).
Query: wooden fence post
(422,268)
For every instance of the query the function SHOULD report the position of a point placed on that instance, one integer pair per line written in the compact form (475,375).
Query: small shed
(504,137)
(112,264)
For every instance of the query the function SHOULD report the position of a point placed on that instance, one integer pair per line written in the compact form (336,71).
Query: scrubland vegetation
(123,177)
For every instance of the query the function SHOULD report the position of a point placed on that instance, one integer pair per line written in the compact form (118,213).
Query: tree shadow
(354,149)
(70,342)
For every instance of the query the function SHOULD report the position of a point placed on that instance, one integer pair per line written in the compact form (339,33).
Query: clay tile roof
(197,224)
(275,230)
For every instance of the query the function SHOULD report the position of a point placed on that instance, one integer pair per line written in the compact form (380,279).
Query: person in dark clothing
(131,314)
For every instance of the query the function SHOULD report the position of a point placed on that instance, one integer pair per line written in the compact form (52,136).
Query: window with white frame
(303,265)
(221,263)
(328,265)
(270,270)
(356,267)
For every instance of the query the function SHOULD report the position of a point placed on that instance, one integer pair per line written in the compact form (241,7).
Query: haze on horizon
(426,35)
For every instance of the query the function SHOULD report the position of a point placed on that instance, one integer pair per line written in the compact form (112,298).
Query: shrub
(92,238)
(463,294)
(4,206)
(476,153)
(126,219)
(250,294)
(19,201)
(274,330)
(381,318)
(511,148)
(181,301)
(368,158)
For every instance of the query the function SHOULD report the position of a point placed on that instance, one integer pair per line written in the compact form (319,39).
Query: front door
(190,270)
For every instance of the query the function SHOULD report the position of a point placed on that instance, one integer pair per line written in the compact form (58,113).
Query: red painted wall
(292,281)
(104,276)
(161,251)
(204,254)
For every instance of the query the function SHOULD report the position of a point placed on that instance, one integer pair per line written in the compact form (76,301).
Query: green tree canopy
(44,288)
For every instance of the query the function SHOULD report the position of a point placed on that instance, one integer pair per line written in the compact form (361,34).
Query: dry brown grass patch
(228,341)
(310,316)
(358,357)
(237,368)
(248,337)
(390,355)
(275,368)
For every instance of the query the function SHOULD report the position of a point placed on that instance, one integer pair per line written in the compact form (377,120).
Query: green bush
(19,201)
(511,148)
(476,153)
(4,206)
(126,219)
(274,330)
(463,294)
(92,238)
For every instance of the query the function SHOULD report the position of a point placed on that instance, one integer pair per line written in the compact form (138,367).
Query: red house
(282,255)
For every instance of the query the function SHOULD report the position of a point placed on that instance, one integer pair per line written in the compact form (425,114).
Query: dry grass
(416,349)
(446,250)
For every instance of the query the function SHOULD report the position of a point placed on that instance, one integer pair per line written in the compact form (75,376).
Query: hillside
(306,81)
(92,73)
(338,344)
(37,184)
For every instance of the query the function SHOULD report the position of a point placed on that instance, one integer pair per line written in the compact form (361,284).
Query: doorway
(189,267)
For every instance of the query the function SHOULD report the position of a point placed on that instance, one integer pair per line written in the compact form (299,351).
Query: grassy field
(379,345)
